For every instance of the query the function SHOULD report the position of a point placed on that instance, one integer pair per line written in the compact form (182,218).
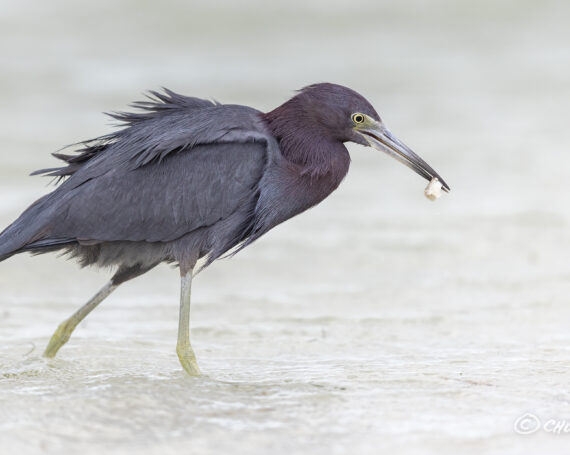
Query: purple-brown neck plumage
(306,143)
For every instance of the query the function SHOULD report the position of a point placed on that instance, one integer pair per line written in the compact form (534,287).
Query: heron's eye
(358,118)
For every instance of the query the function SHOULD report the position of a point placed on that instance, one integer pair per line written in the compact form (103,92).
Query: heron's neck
(307,144)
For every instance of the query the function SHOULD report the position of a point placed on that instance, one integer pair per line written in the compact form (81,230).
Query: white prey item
(433,190)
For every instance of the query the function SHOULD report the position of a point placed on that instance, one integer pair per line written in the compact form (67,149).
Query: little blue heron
(189,179)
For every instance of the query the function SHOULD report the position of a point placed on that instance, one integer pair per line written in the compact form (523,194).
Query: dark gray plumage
(187,178)
(142,184)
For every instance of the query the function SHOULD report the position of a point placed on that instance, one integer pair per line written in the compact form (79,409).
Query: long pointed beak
(382,139)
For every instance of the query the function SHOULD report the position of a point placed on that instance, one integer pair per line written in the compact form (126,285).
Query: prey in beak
(380,138)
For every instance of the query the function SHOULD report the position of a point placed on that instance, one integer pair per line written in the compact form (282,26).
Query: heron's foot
(188,359)
(59,338)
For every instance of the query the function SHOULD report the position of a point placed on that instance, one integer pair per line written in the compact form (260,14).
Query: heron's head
(347,116)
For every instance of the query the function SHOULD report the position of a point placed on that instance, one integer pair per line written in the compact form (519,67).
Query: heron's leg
(183,346)
(65,329)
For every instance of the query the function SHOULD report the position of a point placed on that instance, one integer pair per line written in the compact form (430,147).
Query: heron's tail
(28,232)
(11,242)
(5,256)
(6,250)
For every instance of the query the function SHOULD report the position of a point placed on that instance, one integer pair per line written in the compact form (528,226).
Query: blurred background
(378,321)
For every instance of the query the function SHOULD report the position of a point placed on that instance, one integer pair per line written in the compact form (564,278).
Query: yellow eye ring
(358,118)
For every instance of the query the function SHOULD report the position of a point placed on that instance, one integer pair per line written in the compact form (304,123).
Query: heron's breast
(287,191)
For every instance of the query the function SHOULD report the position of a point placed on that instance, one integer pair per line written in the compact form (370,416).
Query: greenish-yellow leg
(183,347)
(65,329)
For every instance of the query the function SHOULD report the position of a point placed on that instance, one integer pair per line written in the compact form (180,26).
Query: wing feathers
(182,164)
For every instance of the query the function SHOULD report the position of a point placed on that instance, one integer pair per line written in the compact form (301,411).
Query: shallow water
(378,322)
